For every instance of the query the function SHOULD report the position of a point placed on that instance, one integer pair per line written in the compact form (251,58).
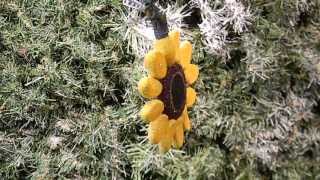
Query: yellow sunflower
(170,73)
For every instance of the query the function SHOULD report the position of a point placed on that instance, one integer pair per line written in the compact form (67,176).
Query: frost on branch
(237,15)
(281,128)
(312,64)
(260,63)
(218,18)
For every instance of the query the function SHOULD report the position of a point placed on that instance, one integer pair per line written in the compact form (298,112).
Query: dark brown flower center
(173,94)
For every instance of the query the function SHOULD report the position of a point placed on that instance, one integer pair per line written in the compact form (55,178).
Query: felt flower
(170,74)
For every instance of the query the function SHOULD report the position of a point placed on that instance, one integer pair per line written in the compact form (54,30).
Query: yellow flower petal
(158,128)
(184,53)
(175,40)
(156,64)
(165,144)
(191,96)
(151,110)
(191,72)
(164,45)
(179,136)
(167,140)
(186,120)
(149,87)
(180,119)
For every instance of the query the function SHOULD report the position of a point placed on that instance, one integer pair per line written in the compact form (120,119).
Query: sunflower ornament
(167,86)
(170,74)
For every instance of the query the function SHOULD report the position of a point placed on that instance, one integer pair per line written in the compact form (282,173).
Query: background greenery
(69,104)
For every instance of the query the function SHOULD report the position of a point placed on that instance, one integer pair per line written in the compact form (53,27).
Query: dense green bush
(69,105)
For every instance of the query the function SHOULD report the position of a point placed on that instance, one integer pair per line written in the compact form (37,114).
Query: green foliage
(69,105)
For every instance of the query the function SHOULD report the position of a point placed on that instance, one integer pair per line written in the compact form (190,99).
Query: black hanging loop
(158,19)
(154,14)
